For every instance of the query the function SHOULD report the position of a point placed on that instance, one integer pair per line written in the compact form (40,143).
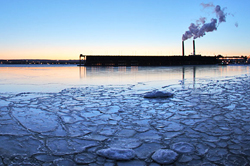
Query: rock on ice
(164,156)
(117,154)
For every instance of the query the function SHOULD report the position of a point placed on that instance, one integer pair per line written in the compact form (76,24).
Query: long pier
(127,60)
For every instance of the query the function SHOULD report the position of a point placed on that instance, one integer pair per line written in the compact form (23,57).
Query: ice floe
(114,125)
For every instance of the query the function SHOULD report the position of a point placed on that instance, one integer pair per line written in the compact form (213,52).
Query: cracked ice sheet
(36,120)
(27,96)
(20,145)
(62,146)
(4,103)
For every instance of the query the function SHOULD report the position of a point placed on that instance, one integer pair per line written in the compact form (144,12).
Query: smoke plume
(220,14)
(207,5)
(201,27)
(208,27)
(236,24)
(201,20)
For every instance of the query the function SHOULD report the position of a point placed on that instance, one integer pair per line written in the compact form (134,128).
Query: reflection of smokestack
(194,47)
(183,52)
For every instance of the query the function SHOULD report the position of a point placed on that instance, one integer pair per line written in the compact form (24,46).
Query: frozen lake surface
(98,116)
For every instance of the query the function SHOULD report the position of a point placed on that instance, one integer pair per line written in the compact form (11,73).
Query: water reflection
(82,72)
(183,75)
(54,78)
(194,74)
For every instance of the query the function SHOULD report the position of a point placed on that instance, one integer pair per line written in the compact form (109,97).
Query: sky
(64,29)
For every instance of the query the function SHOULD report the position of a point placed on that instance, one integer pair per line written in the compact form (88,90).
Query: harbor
(156,60)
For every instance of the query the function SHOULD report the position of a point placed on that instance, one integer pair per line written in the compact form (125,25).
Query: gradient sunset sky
(63,29)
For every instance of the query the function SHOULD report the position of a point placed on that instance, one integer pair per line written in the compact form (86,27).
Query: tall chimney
(183,51)
(193,47)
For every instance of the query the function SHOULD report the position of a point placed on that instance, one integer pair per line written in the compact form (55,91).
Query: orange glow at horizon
(73,52)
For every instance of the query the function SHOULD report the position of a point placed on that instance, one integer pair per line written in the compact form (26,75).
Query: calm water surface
(54,78)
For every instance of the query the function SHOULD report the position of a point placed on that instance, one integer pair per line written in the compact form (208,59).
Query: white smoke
(220,14)
(208,27)
(202,20)
(187,35)
(201,27)
(193,30)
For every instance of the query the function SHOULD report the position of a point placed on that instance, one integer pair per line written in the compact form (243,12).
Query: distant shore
(38,61)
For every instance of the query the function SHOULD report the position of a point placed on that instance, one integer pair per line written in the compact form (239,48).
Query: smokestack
(183,51)
(193,47)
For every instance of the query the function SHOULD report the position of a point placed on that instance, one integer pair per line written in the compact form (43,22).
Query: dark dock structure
(127,60)
(153,60)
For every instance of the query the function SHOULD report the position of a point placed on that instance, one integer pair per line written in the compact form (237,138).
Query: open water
(54,78)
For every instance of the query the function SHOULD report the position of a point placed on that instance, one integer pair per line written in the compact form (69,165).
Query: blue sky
(63,29)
